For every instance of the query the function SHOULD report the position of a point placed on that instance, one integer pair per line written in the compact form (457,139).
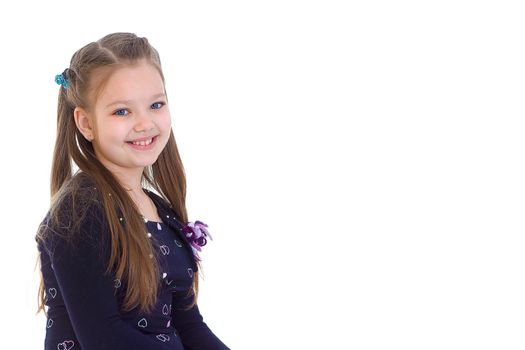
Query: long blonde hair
(130,248)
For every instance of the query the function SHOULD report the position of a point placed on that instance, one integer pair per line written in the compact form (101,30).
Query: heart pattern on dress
(66,345)
(165,310)
(164,249)
(143,323)
(163,337)
(50,323)
(53,292)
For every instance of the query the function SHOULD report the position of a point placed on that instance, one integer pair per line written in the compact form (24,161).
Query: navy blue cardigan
(84,303)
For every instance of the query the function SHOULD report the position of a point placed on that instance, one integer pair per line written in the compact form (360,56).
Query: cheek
(168,120)
(166,131)
(111,135)
(166,124)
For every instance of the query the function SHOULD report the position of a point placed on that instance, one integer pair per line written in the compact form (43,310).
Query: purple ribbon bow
(196,234)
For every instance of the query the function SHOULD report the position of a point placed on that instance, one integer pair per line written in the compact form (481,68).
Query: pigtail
(61,165)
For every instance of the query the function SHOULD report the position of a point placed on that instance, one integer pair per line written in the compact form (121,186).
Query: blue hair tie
(61,79)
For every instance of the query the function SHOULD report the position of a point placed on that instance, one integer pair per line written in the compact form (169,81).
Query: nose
(143,122)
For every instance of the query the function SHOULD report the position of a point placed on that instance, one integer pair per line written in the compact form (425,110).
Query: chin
(150,163)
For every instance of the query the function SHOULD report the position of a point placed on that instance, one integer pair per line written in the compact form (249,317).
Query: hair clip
(61,79)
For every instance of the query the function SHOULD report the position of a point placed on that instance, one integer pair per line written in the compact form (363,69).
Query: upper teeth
(143,143)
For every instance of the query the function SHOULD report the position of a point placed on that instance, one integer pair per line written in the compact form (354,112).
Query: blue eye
(121,112)
(157,105)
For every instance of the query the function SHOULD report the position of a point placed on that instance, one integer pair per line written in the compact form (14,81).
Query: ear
(84,123)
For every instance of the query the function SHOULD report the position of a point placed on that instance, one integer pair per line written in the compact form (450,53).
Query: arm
(88,293)
(194,333)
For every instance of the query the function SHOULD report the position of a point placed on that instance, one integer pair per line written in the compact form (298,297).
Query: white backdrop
(360,163)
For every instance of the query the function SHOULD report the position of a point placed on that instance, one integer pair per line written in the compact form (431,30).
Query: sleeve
(88,292)
(194,333)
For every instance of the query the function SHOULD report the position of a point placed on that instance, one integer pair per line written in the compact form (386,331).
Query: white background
(360,164)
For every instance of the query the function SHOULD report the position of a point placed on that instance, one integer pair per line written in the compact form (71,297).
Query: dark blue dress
(84,303)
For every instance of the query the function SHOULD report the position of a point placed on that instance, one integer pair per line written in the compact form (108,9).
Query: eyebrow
(129,101)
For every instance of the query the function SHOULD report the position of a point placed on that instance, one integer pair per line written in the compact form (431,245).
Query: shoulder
(76,214)
(78,200)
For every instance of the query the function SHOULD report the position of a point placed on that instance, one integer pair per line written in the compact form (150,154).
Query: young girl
(119,259)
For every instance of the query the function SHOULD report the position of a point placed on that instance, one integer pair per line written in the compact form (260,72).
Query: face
(131,123)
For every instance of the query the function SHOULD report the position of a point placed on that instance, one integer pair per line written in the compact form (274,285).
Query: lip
(143,148)
(144,138)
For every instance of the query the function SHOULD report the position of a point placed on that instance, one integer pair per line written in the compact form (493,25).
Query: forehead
(135,82)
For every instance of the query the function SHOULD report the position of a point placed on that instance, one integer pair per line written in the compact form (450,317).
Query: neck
(132,182)
(129,178)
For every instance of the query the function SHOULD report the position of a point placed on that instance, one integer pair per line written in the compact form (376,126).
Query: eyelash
(162,104)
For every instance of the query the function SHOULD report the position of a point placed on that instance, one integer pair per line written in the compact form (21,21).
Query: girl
(119,267)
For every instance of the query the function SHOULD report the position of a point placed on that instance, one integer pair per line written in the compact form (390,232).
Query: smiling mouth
(142,143)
